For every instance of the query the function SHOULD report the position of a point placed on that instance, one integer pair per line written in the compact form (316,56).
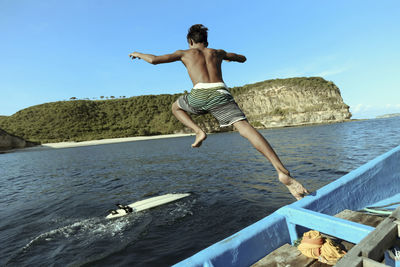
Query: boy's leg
(261,144)
(183,117)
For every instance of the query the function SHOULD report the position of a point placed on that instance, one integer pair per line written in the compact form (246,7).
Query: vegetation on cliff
(311,83)
(79,120)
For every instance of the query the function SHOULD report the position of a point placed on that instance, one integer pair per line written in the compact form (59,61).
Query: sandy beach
(102,141)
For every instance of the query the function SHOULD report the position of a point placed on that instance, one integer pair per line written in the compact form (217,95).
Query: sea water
(53,203)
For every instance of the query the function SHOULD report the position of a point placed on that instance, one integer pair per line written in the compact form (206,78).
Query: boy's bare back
(203,64)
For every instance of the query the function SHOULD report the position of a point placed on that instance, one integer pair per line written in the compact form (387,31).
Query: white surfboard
(145,204)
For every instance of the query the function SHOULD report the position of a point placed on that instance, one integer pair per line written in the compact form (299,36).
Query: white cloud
(361,111)
(357,108)
(317,67)
(288,73)
(333,71)
(392,106)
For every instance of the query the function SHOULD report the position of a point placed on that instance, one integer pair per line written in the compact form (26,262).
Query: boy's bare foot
(200,137)
(295,188)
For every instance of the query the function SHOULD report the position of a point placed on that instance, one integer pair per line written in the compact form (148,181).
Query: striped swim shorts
(212,98)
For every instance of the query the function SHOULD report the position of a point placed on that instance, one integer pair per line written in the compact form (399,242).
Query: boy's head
(198,34)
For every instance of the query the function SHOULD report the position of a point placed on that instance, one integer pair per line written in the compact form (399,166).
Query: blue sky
(54,50)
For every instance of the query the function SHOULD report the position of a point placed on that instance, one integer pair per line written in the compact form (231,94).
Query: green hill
(80,120)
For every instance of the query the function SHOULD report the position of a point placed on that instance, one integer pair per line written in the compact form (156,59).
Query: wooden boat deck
(288,255)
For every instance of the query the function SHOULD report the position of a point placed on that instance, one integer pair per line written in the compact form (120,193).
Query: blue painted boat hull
(375,183)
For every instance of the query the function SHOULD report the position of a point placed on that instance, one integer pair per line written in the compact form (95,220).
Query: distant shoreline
(72,144)
(99,142)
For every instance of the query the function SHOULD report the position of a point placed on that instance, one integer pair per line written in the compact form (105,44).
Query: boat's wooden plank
(396,214)
(374,245)
(360,217)
(319,264)
(371,263)
(379,240)
(398,227)
(352,261)
(286,255)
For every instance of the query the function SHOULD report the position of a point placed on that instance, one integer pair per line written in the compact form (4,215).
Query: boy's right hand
(134,55)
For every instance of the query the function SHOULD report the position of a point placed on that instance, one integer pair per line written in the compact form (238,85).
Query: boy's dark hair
(198,33)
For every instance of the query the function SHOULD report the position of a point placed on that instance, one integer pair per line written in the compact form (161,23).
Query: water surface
(53,203)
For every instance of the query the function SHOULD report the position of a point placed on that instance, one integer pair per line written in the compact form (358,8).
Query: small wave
(81,229)
(182,209)
(85,235)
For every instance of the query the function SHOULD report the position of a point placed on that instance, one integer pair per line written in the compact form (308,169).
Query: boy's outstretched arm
(234,57)
(152,59)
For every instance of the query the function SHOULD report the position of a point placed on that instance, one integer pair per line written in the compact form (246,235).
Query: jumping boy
(211,95)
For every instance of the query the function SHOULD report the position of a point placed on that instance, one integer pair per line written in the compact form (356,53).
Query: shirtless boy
(210,95)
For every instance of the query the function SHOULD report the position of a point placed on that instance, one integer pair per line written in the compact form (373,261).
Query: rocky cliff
(283,103)
(8,141)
